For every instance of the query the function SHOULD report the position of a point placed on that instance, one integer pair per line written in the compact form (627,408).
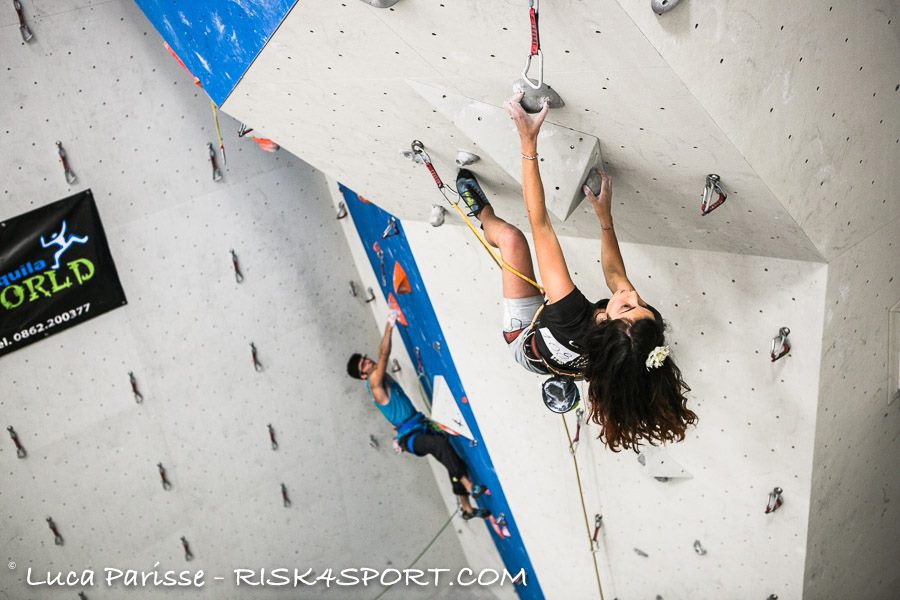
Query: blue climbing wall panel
(216,39)
(428,349)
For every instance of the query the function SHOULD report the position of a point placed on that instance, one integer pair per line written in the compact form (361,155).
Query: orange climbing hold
(363,200)
(183,66)
(392,304)
(265,144)
(401,282)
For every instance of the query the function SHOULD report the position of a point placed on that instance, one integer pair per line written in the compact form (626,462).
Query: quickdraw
(188,555)
(215,111)
(255,356)
(699,549)
(342,211)
(376,248)
(20,450)
(272,437)
(71,178)
(780,344)
(216,173)
(238,275)
(163,477)
(712,189)
(775,500)
(243,130)
(57,537)
(138,396)
(598,523)
(391,229)
(535,50)
(579,420)
(285,499)
(23,26)
(419,156)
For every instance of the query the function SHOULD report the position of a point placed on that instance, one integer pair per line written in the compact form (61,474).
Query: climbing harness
(422,553)
(536,92)
(775,500)
(138,396)
(712,189)
(20,450)
(23,26)
(162,476)
(285,499)
(238,275)
(272,436)
(419,156)
(255,356)
(780,344)
(71,178)
(598,522)
(579,420)
(216,173)
(215,111)
(57,538)
(411,429)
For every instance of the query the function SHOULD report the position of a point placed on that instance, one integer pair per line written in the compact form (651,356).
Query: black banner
(55,271)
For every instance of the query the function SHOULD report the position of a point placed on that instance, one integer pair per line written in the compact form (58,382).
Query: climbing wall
(96,77)
(756,426)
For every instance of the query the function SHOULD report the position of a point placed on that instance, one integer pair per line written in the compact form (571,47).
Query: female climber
(617,345)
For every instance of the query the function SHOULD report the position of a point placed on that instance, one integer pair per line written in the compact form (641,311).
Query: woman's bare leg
(513,246)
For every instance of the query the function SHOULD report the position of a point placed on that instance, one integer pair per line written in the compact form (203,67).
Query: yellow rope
(215,111)
(587,525)
(495,255)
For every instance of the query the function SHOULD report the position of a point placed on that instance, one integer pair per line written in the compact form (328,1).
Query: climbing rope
(422,553)
(215,112)
(587,525)
(418,155)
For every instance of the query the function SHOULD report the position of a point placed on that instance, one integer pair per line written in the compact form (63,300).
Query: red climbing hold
(392,303)
(401,282)
(364,200)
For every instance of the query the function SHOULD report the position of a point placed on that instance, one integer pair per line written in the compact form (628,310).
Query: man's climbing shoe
(470,192)
(477,513)
(478,490)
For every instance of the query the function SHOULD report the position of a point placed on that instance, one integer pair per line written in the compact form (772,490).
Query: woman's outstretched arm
(551,263)
(610,256)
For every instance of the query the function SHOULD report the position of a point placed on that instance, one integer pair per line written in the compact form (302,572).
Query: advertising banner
(55,271)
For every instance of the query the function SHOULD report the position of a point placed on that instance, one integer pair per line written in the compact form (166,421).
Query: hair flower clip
(656,357)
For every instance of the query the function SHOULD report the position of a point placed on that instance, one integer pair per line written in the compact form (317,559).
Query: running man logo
(32,281)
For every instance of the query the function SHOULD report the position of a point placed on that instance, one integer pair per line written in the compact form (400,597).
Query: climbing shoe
(477,513)
(470,192)
(477,490)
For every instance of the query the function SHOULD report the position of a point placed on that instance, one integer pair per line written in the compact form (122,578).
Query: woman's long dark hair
(627,400)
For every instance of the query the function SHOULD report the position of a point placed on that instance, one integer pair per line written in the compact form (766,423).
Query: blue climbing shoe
(470,192)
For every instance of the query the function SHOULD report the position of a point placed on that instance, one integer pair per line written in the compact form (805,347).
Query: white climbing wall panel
(97,78)
(756,427)
(335,85)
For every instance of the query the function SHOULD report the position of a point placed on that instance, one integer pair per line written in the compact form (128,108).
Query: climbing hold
(593,181)
(780,344)
(393,305)
(663,6)
(438,213)
(381,3)
(364,200)
(183,66)
(535,97)
(640,552)
(713,188)
(537,93)
(266,144)
(401,282)
(464,159)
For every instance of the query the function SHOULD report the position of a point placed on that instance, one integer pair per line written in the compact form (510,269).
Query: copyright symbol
(12,566)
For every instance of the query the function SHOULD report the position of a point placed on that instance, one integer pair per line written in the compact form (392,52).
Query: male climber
(415,433)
